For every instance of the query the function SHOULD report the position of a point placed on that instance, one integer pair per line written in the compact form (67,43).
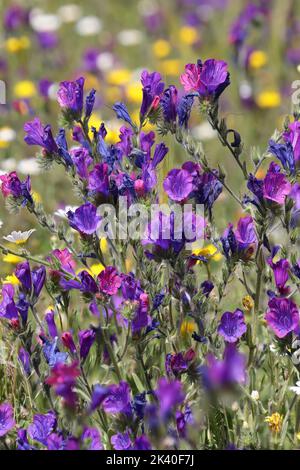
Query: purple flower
(293,137)
(245,236)
(209,79)
(47,39)
(25,360)
(51,352)
(230,370)
(22,441)
(86,340)
(141,318)
(131,287)
(178,184)
(184,110)
(55,442)
(121,441)
(70,95)
(39,135)
(42,427)
(142,443)
(38,276)
(98,179)
(84,219)
(8,308)
(207,189)
(7,421)
(159,154)
(11,185)
(82,160)
(282,316)
(50,320)
(109,281)
(275,185)
(89,103)
(232,326)
(118,398)
(206,287)
(281,271)
(169,395)
(44,86)
(152,90)
(92,437)
(98,396)
(125,144)
(169,103)
(122,113)
(285,154)
(68,342)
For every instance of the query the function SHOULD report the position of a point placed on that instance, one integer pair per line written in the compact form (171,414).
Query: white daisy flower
(130,37)
(88,26)
(296,388)
(62,213)
(19,237)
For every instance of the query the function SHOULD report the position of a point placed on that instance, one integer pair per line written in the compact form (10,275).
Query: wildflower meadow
(149,232)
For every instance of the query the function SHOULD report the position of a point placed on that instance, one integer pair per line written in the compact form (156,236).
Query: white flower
(255,395)
(9,164)
(29,166)
(296,388)
(62,213)
(1,223)
(19,237)
(69,13)
(43,22)
(204,132)
(7,134)
(105,61)
(130,37)
(88,26)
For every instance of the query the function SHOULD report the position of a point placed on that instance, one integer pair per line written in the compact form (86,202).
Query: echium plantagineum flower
(240,27)
(152,91)
(42,426)
(242,242)
(292,136)
(285,154)
(177,364)
(7,422)
(70,96)
(282,316)
(84,219)
(109,281)
(28,278)
(281,271)
(19,190)
(232,326)
(209,79)
(226,372)
(117,399)
(86,340)
(170,394)
(63,378)
(39,135)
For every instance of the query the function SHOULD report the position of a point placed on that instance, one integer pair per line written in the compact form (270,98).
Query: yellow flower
(25,89)
(161,48)
(210,252)
(11,279)
(187,327)
(91,81)
(257,59)
(12,259)
(247,303)
(170,67)
(275,422)
(113,93)
(15,45)
(95,121)
(104,245)
(3,144)
(36,197)
(268,99)
(118,77)
(134,93)
(298,436)
(96,269)
(112,136)
(188,35)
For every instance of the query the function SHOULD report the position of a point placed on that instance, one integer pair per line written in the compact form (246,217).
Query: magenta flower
(178,184)
(275,185)
(282,316)
(63,379)
(84,219)
(209,79)
(109,281)
(232,326)
(7,421)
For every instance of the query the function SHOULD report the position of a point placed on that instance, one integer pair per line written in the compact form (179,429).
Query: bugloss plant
(135,350)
